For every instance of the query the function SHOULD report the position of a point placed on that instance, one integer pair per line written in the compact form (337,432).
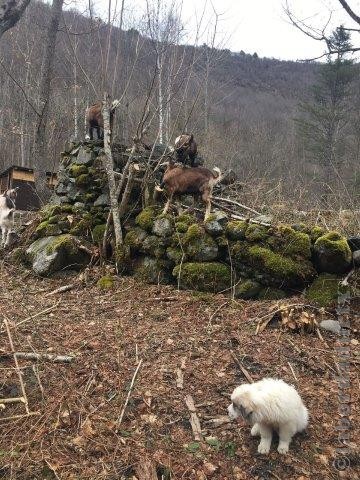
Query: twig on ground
(194,419)
(242,368)
(19,374)
(179,378)
(3,401)
(128,395)
(45,356)
(47,310)
(64,288)
(292,371)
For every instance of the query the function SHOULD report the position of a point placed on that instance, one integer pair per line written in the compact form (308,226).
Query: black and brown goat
(95,121)
(185,147)
(197,180)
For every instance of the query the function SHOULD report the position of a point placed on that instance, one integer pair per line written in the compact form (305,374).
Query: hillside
(246,96)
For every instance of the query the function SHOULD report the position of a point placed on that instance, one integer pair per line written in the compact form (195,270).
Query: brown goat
(95,121)
(196,180)
(185,147)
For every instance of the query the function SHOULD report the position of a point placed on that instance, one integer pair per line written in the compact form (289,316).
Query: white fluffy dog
(268,405)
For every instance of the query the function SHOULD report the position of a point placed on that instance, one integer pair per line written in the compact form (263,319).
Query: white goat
(7,208)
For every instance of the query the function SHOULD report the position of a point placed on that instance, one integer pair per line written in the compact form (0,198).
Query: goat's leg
(206,196)
(4,233)
(91,133)
(167,204)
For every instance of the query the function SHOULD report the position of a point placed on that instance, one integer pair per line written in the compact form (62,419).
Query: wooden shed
(23,178)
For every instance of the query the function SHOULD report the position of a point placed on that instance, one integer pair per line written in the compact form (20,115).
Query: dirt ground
(187,344)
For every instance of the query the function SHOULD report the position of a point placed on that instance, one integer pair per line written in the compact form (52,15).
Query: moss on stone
(207,276)
(98,233)
(256,233)
(65,242)
(176,255)
(199,245)
(271,294)
(235,230)
(134,238)
(222,241)
(282,269)
(106,282)
(83,180)
(154,246)
(145,219)
(317,232)
(324,290)
(46,229)
(77,170)
(186,218)
(54,219)
(82,226)
(289,242)
(248,289)
(332,253)
(181,227)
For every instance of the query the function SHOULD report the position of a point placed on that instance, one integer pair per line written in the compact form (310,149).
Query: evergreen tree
(324,119)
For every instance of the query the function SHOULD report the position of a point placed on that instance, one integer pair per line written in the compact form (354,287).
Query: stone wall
(247,259)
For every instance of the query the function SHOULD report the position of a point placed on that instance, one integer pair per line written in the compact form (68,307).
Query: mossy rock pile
(206,276)
(332,254)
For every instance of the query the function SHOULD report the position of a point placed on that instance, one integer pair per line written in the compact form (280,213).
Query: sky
(259,26)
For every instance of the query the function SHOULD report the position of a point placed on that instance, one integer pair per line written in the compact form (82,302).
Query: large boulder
(163,226)
(332,254)
(51,254)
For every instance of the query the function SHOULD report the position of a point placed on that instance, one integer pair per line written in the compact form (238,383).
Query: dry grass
(75,434)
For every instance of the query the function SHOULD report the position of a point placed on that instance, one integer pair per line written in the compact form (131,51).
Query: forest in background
(241,108)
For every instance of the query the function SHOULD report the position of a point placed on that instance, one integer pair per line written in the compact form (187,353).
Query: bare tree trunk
(159,64)
(109,168)
(39,149)
(10,13)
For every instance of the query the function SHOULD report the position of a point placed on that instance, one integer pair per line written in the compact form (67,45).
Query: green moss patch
(290,242)
(98,233)
(207,276)
(77,170)
(134,238)
(235,230)
(256,233)
(199,245)
(248,289)
(145,219)
(324,290)
(332,253)
(106,282)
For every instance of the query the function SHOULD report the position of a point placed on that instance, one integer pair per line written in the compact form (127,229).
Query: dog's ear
(248,403)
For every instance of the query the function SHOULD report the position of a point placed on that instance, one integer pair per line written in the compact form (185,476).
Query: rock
(152,270)
(51,254)
(324,290)
(162,226)
(331,326)
(102,201)
(356,259)
(354,243)
(264,218)
(199,246)
(207,276)
(236,229)
(248,289)
(145,219)
(332,254)
(216,223)
(84,157)
(135,238)
(154,246)
(79,205)
(61,188)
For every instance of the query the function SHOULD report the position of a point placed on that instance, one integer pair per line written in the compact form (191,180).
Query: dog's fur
(270,404)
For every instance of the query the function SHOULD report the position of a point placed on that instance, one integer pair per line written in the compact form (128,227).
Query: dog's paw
(255,431)
(283,449)
(263,449)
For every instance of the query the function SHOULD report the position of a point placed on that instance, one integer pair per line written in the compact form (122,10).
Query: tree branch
(349,11)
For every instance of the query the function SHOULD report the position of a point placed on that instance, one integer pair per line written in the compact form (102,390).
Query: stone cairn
(247,260)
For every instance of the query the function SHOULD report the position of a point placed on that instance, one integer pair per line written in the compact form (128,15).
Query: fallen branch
(62,289)
(128,395)
(179,378)
(233,202)
(218,422)
(17,417)
(44,356)
(22,386)
(194,419)
(3,401)
(242,368)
